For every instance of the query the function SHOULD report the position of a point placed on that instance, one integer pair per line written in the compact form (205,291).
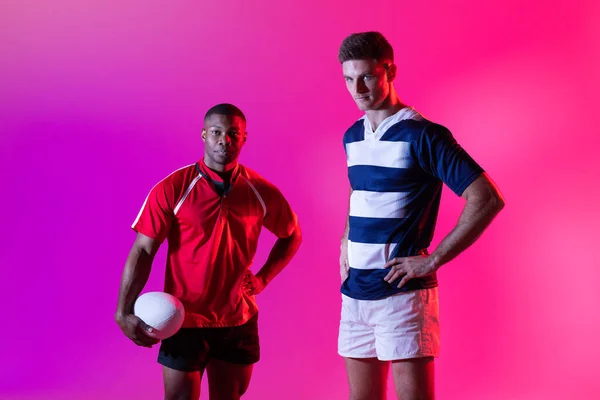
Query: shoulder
(179,178)
(355,132)
(257,182)
(407,130)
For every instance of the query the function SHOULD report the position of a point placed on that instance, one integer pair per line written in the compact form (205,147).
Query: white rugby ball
(161,311)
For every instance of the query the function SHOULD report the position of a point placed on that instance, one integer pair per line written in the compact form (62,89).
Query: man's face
(223,138)
(368,81)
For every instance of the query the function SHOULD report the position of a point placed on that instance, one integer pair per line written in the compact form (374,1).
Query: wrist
(121,314)
(435,261)
(262,280)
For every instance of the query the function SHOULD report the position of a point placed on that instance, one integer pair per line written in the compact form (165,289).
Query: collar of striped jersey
(404,113)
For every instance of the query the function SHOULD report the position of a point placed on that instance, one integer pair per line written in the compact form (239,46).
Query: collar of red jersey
(207,172)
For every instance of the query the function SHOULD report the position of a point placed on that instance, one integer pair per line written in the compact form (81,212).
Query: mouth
(361,98)
(223,152)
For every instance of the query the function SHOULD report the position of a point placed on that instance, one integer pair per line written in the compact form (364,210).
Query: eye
(348,80)
(367,77)
(216,132)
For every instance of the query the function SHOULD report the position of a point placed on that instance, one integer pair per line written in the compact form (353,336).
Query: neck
(390,106)
(223,170)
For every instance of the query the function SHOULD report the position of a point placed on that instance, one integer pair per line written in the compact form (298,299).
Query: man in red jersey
(211,213)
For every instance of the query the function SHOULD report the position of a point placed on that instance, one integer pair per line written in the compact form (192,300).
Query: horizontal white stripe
(367,255)
(378,204)
(379,154)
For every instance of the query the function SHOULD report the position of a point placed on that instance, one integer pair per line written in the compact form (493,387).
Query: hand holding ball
(161,311)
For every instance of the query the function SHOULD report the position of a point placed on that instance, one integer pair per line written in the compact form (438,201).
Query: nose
(360,87)
(224,140)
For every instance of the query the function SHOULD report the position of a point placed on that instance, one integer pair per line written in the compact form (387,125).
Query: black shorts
(191,349)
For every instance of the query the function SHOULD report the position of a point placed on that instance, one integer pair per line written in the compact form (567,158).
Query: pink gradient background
(101,99)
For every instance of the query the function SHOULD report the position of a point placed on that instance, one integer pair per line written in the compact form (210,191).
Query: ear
(203,135)
(245,137)
(391,72)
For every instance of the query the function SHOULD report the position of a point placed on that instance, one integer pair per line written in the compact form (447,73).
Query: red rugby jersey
(212,238)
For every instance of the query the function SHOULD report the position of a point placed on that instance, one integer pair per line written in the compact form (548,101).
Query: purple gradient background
(101,99)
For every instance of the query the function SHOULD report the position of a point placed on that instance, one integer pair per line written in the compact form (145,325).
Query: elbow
(295,238)
(497,203)
(297,234)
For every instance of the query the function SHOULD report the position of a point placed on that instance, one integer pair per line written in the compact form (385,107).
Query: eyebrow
(361,75)
(233,128)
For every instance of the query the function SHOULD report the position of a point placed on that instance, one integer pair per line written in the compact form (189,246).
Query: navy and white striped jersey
(396,173)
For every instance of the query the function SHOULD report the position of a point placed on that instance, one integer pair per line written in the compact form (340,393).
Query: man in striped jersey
(211,213)
(397,164)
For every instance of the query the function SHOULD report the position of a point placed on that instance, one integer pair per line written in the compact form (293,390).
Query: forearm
(474,219)
(135,275)
(346,230)
(281,254)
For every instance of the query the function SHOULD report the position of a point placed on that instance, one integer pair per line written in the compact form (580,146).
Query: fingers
(344,268)
(394,274)
(394,261)
(396,265)
(142,334)
(137,331)
(405,279)
(248,285)
(141,338)
(141,343)
(344,273)
(344,264)
(143,326)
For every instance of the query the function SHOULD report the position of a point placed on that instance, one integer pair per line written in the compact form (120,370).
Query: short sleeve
(441,156)
(155,218)
(279,218)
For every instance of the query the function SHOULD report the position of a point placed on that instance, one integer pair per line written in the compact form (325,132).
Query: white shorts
(402,326)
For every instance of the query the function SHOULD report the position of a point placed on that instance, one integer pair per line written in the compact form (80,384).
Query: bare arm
(135,275)
(344,266)
(484,202)
(281,254)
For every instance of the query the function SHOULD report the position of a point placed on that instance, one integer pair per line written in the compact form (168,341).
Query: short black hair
(226,109)
(366,46)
